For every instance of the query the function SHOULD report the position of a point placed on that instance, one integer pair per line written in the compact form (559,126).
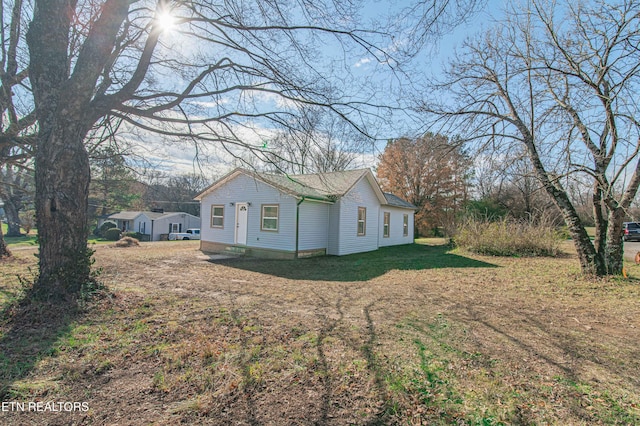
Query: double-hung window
(362,221)
(405,225)
(217,216)
(269,217)
(385,225)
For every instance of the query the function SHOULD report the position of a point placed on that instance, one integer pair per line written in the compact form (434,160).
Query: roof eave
(215,185)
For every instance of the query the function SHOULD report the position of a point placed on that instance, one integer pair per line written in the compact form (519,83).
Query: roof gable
(318,186)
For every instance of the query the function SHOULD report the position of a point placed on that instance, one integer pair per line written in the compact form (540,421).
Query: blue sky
(180,158)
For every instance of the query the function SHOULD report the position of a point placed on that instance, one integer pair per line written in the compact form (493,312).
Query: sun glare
(166,21)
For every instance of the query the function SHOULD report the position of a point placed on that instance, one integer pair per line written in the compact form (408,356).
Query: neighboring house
(153,224)
(295,216)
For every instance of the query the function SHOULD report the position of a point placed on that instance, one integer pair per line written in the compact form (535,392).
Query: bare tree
(173,193)
(314,142)
(16,190)
(17,119)
(510,182)
(195,70)
(561,81)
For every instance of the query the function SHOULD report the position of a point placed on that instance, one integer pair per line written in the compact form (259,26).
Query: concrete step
(236,250)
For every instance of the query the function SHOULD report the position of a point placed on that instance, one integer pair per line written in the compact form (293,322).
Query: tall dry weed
(509,237)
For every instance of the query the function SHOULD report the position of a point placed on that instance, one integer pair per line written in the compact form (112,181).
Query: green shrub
(509,237)
(136,235)
(104,228)
(112,234)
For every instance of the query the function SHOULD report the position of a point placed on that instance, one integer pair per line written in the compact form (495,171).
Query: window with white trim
(269,217)
(385,225)
(362,221)
(217,216)
(405,225)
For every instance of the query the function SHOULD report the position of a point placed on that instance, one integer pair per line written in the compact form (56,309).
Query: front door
(241,223)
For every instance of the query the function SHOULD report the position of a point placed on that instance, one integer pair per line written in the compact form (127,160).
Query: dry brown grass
(127,242)
(422,336)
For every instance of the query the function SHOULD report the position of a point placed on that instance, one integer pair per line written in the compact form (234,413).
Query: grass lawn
(24,240)
(30,239)
(405,335)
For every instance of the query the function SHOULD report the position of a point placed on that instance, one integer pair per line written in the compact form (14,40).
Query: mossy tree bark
(63,101)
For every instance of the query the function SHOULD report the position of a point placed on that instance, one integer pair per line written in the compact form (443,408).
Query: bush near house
(100,231)
(112,234)
(135,235)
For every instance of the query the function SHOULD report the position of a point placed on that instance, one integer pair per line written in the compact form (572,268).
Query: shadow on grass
(30,330)
(360,266)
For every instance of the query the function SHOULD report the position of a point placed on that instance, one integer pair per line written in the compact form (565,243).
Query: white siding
(333,243)
(361,195)
(313,226)
(395,226)
(244,189)
(161,224)
(142,224)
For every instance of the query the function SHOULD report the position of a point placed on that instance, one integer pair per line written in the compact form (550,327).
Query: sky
(215,161)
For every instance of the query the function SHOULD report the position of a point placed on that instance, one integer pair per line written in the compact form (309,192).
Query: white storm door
(242,217)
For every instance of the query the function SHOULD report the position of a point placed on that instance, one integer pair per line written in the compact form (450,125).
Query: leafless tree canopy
(561,81)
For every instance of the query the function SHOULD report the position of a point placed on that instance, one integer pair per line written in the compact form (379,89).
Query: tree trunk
(12,210)
(4,250)
(61,161)
(591,262)
(62,194)
(601,223)
(614,250)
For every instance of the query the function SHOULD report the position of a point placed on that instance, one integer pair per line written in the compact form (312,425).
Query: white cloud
(362,62)
(173,156)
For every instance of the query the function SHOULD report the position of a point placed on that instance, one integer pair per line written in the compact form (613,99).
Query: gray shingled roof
(394,200)
(325,186)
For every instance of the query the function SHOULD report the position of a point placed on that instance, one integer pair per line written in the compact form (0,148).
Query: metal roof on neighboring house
(131,215)
(125,215)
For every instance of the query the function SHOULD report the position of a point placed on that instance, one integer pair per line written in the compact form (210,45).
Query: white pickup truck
(191,234)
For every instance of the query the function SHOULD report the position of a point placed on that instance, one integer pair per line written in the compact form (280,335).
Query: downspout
(298,224)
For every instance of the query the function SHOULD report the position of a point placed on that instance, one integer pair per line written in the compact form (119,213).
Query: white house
(154,224)
(288,216)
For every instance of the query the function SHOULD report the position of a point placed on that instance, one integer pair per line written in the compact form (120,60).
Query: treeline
(115,186)
(449,185)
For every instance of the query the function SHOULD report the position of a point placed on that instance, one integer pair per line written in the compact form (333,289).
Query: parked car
(191,234)
(631,231)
